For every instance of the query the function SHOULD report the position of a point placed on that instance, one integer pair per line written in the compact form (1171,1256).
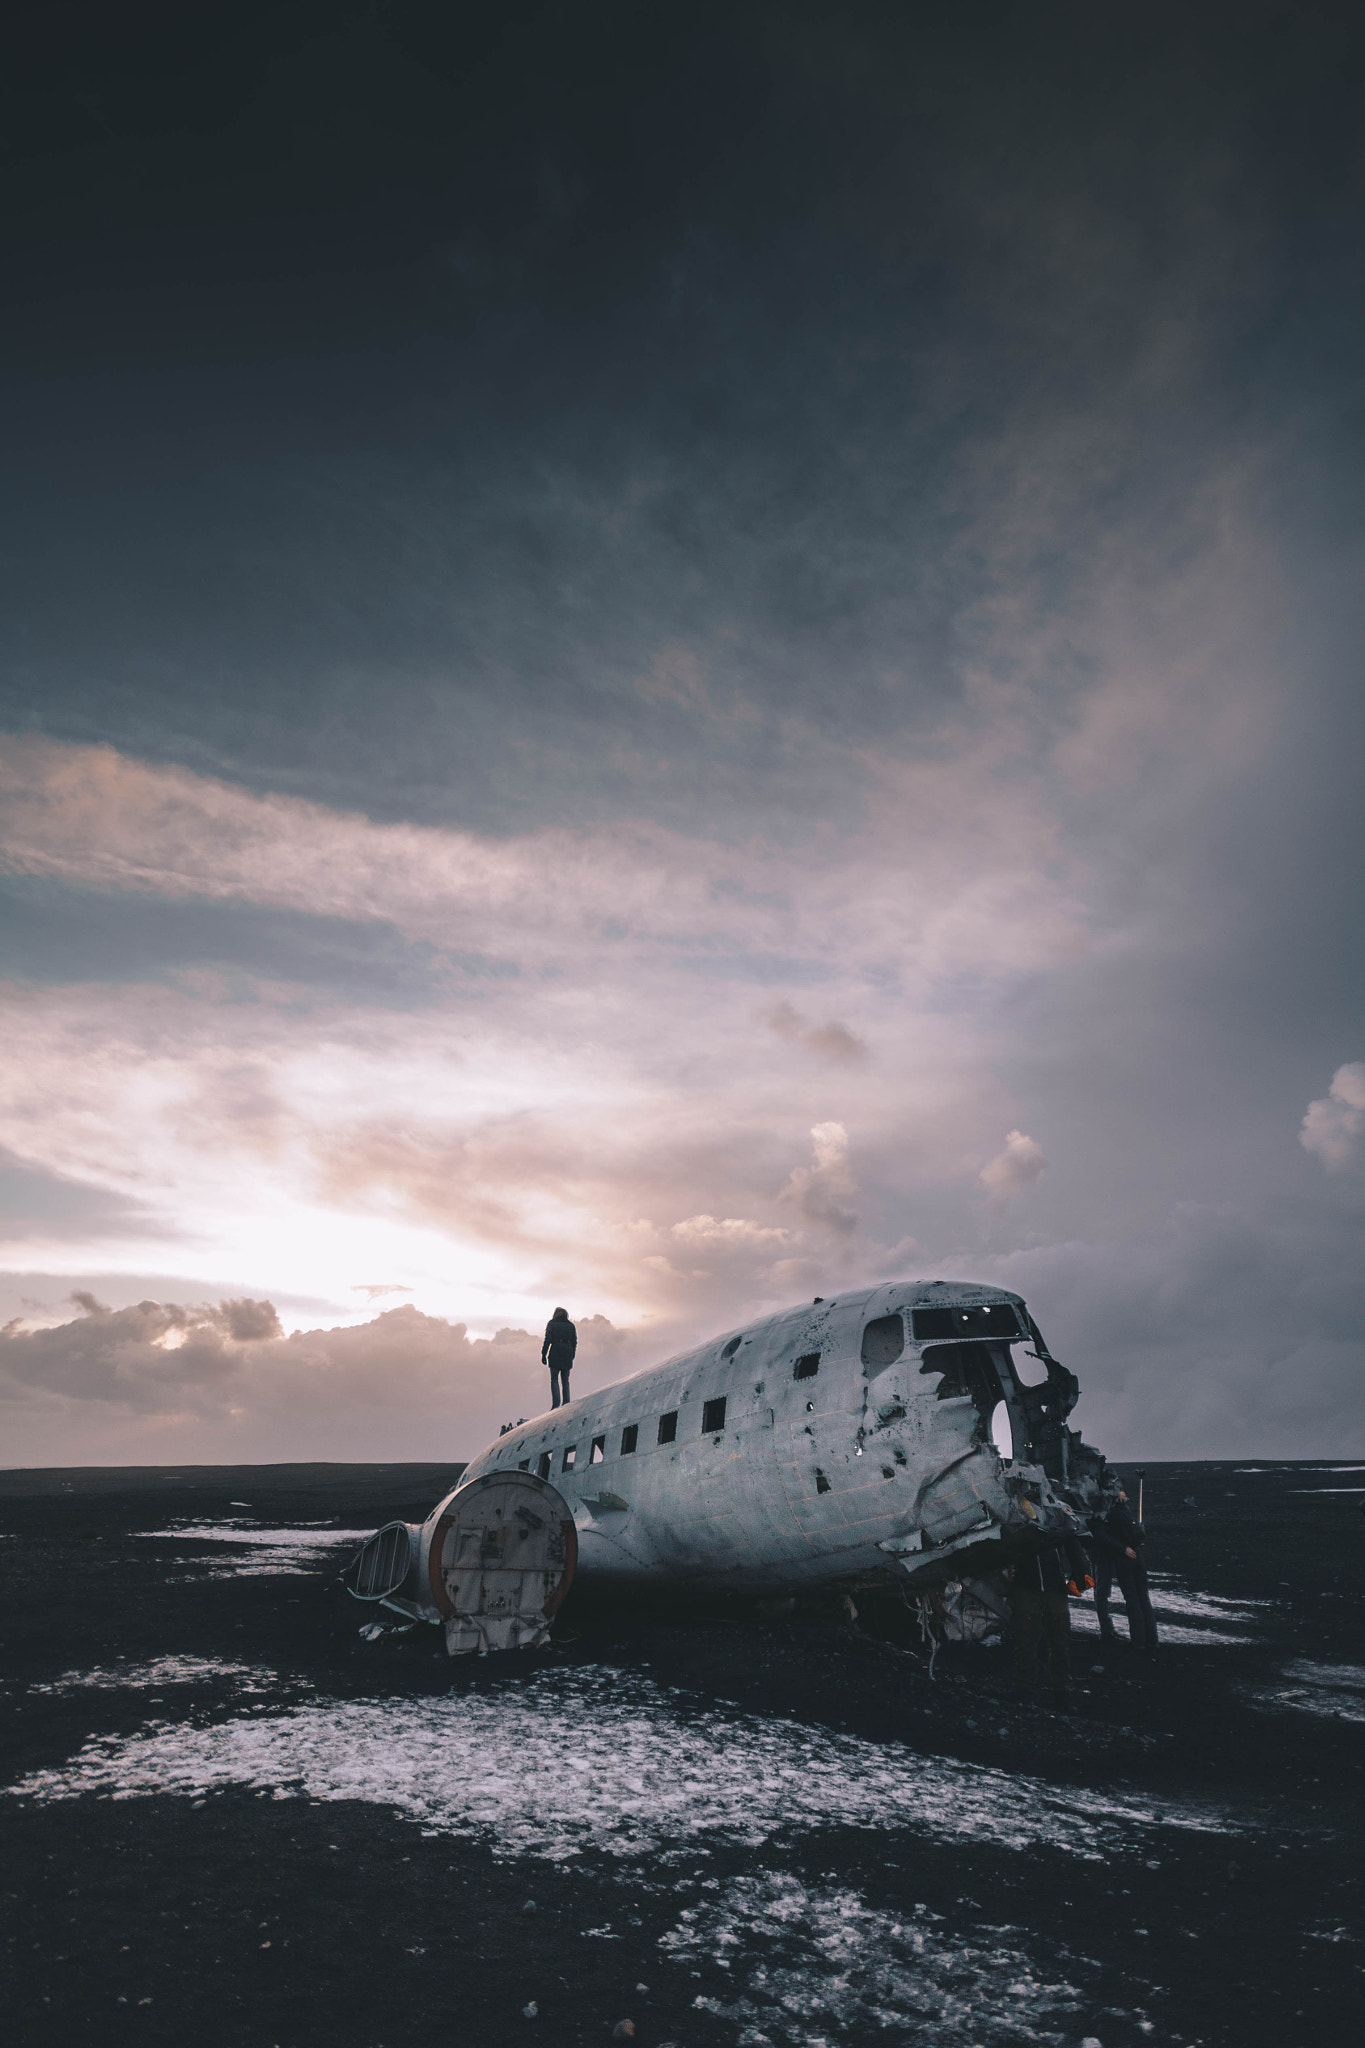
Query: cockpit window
(981,1319)
(883,1342)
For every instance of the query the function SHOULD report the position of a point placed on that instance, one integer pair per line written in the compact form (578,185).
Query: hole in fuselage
(1029,1369)
(1002,1436)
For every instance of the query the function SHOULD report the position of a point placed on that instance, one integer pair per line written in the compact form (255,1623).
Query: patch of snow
(612,1762)
(274,1551)
(1085,1622)
(827,1964)
(1331,1691)
(1168,1599)
(1350,1675)
(162,1671)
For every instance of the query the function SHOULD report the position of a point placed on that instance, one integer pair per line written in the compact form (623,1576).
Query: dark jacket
(1048,1571)
(1113,1534)
(561,1342)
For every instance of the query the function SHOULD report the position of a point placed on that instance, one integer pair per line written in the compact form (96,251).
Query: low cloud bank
(161,1379)
(1221,1334)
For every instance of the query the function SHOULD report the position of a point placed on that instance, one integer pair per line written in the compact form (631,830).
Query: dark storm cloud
(1224,1332)
(405,387)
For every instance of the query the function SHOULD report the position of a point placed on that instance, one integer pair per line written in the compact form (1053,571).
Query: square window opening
(525,1465)
(598,1451)
(630,1437)
(713,1415)
(543,1464)
(567,1462)
(668,1427)
(976,1319)
(807,1367)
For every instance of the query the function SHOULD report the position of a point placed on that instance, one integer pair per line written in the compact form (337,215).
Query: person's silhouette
(561,1342)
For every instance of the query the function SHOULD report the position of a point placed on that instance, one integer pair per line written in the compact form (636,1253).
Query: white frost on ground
(274,1551)
(162,1671)
(1334,1691)
(816,1960)
(607,1761)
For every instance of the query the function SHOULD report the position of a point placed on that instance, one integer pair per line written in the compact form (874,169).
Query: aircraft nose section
(956,1500)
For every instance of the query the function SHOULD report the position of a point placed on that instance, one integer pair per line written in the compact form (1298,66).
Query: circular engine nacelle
(491,1563)
(496,1559)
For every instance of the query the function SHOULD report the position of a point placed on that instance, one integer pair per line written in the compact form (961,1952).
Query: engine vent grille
(383,1563)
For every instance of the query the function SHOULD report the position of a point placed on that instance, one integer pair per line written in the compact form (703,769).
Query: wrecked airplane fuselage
(913,1433)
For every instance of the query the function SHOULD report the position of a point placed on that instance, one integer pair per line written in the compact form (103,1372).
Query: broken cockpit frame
(1004,1475)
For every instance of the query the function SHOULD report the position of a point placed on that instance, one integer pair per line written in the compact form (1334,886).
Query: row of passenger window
(712,1420)
(713,1417)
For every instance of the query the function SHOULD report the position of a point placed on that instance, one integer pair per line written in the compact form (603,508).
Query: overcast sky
(670,659)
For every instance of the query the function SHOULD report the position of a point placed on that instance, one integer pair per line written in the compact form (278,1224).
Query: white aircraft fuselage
(834,1442)
(911,1434)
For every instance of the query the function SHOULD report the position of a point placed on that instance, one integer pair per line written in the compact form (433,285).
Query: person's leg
(554,1386)
(1057,1620)
(1132,1604)
(564,1384)
(1104,1586)
(1144,1598)
(1026,1617)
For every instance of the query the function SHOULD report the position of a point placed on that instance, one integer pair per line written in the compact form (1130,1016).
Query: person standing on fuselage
(561,1342)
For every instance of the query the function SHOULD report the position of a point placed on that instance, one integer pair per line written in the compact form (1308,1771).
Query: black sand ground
(254,1922)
